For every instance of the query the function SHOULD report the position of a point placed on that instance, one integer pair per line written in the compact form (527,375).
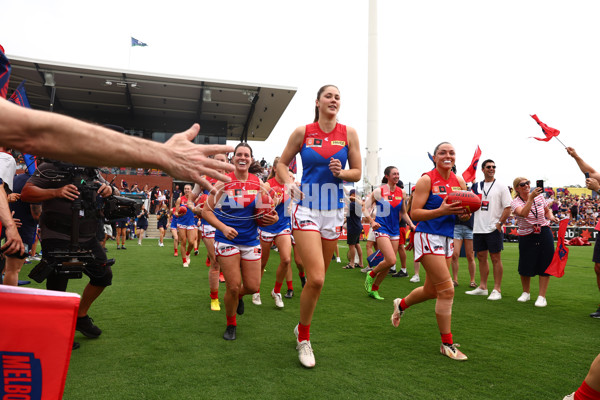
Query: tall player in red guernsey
(434,243)
(324,146)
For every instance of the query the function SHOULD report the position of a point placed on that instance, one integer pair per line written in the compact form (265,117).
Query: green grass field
(161,341)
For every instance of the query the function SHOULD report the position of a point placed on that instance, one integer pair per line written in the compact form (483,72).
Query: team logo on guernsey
(338,143)
(456,188)
(314,142)
(21,376)
(439,190)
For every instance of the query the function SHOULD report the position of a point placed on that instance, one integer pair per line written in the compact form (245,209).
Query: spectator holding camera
(536,242)
(52,185)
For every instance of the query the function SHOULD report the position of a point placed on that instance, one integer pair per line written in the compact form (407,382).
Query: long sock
(214,295)
(290,285)
(231,321)
(585,392)
(372,274)
(301,275)
(183,258)
(277,288)
(447,338)
(403,305)
(303,332)
(375,288)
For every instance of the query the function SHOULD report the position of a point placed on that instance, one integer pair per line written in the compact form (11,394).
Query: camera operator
(53,185)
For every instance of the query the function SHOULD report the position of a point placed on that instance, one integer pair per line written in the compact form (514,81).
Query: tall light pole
(372,159)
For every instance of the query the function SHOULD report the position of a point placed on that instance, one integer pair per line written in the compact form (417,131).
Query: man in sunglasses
(487,229)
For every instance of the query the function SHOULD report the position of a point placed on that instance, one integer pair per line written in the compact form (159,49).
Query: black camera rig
(72,262)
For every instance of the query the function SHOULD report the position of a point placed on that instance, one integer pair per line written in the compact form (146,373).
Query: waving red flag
(471,171)
(559,261)
(548,131)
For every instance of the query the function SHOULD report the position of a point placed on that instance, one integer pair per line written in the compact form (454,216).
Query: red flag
(548,131)
(557,266)
(469,174)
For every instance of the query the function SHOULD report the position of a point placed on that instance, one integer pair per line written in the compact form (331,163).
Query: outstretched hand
(188,161)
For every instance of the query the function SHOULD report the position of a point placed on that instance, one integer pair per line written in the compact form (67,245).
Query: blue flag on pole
(135,42)
(19,97)
(4,73)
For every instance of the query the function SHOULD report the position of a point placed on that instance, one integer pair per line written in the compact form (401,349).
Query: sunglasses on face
(490,167)
(523,184)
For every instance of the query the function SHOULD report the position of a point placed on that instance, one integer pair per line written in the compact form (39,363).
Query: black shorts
(536,252)
(142,225)
(353,238)
(161,224)
(492,242)
(121,223)
(596,255)
(99,274)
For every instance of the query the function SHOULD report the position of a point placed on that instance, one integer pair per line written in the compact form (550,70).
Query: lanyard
(533,207)
(488,192)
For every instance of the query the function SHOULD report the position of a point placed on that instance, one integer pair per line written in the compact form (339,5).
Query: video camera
(72,262)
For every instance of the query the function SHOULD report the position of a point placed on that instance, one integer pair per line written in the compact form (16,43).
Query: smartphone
(587,175)
(540,184)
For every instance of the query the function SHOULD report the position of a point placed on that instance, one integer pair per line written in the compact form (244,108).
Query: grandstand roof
(142,102)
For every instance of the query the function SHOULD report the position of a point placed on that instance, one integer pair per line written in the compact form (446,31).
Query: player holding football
(187,230)
(433,243)
(236,244)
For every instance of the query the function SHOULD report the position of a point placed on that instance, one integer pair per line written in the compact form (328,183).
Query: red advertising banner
(36,336)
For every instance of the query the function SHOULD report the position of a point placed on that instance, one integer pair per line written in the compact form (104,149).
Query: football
(468,200)
(182,210)
(264,205)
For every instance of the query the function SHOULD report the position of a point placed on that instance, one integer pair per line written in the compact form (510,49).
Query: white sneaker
(305,353)
(495,295)
(187,259)
(296,331)
(524,297)
(477,292)
(277,298)
(452,352)
(339,260)
(569,396)
(256,299)
(397,314)
(186,264)
(162,245)
(415,278)
(541,302)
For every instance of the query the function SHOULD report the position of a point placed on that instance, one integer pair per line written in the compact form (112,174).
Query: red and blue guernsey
(188,218)
(281,209)
(237,210)
(388,210)
(440,187)
(323,191)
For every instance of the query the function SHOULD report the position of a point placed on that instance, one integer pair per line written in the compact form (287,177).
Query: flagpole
(556,137)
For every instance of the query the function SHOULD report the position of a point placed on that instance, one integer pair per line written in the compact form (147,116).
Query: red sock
(207,261)
(375,288)
(240,296)
(277,288)
(585,392)
(187,253)
(301,274)
(290,285)
(403,304)
(447,338)
(183,258)
(372,274)
(214,295)
(303,332)
(231,321)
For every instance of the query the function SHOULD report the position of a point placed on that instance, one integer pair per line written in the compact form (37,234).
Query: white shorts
(371,235)
(327,222)
(108,230)
(269,237)
(381,234)
(427,243)
(187,227)
(248,253)
(208,231)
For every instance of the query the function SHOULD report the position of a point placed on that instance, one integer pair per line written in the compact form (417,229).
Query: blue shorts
(462,232)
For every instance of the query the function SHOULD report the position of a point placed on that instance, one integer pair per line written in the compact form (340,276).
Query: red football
(264,205)
(278,194)
(469,200)
(182,210)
